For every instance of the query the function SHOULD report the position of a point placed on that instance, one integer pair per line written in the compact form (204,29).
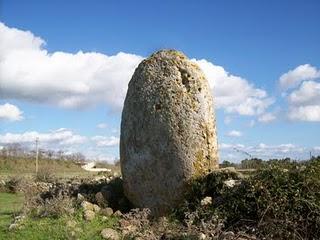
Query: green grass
(10,205)
(58,228)
(47,228)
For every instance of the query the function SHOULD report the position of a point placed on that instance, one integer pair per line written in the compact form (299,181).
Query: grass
(65,169)
(10,205)
(60,228)
(48,228)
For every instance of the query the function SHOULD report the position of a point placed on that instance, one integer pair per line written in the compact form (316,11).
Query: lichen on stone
(168,132)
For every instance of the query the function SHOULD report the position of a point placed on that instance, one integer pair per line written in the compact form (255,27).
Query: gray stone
(106,212)
(87,206)
(168,132)
(80,197)
(89,215)
(96,208)
(117,213)
(109,233)
(13,226)
(102,202)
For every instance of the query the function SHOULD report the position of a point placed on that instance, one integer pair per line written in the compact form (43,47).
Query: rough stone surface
(89,215)
(168,131)
(117,213)
(109,233)
(100,199)
(106,212)
(87,206)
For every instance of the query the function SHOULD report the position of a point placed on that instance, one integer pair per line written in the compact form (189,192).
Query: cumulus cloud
(303,96)
(102,141)
(60,78)
(307,94)
(234,133)
(304,102)
(94,148)
(59,137)
(309,113)
(86,78)
(233,93)
(10,112)
(295,76)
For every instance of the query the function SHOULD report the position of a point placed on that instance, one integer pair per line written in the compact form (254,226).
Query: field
(10,205)
(74,227)
(276,199)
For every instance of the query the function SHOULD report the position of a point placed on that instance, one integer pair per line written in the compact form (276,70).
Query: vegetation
(10,205)
(64,227)
(281,200)
(18,160)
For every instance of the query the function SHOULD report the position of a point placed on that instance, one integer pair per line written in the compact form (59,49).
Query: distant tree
(78,157)
(252,163)
(225,164)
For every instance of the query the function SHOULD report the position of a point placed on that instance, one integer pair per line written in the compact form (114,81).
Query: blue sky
(65,66)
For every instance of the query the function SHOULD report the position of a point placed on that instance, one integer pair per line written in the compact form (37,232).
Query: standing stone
(168,132)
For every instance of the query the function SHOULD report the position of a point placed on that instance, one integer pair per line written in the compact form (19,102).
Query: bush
(54,207)
(45,175)
(278,202)
(13,185)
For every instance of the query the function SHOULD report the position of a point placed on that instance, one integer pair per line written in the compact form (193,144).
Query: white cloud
(102,125)
(234,133)
(308,93)
(304,97)
(233,93)
(10,112)
(301,73)
(83,79)
(267,117)
(309,113)
(59,137)
(94,148)
(304,102)
(68,80)
(102,141)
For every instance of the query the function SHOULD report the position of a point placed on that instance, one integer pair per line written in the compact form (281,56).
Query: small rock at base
(89,215)
(80,197)
(87,206)
(109,233)
(106,212)
(102,202)
(96,208)
(117,214)
(13,226)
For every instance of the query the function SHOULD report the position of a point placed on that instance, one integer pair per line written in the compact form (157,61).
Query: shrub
(45,175)
(280,201)
(13,185)
(51,207)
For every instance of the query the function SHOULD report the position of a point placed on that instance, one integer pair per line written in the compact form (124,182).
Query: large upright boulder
(168,132)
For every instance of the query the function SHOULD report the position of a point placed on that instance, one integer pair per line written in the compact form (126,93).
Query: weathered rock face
(168,131)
